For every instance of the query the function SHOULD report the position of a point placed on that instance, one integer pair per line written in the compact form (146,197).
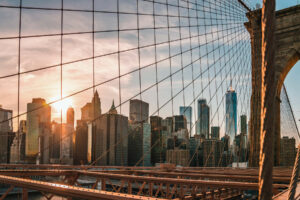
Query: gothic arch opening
(289,135)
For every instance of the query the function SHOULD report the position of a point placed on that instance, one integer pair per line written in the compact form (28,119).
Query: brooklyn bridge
(148,99)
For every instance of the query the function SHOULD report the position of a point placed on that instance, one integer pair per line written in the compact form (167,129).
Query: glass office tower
(231,114)
(187,112)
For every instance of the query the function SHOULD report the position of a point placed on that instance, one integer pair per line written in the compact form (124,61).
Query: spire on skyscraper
(113,109)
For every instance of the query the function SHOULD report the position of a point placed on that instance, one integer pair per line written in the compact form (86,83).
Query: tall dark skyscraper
(138,111)
(5,130)
(17,150)
(215,132)
(244,124)
(203,119)
(187,112)
(157,150)
(70,116)
(231,114)
(110,140)
(244,129)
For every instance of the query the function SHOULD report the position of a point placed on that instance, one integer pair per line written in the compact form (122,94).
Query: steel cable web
(288,122)
(167,53)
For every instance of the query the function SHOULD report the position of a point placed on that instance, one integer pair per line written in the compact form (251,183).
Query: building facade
(212,152)
(244,132)
(139,144)
(187,112)
(17,150)
(81,143)
(6,134)
(110,140)
(91,110)
(231,115)
(38,131)
(215,132)
(70,116)
(203,119)
(61,141)
(287,151)
(138,111)
(158,149)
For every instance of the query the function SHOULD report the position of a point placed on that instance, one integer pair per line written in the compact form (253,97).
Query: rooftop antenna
(230,88)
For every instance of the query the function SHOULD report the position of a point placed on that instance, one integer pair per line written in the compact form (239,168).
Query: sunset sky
(39,52)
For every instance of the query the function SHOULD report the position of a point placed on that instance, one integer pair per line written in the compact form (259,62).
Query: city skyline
(78,76)
(110,98)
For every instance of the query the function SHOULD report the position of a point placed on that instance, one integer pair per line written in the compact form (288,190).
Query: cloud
(137,51)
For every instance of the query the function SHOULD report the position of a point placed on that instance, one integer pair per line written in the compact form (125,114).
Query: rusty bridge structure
(109,182)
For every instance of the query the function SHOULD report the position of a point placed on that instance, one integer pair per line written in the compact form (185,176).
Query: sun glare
(62,105)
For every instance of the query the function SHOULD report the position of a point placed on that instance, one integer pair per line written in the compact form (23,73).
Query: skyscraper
(139,144)
(110,140)
(212,152)
(17,152)
(81,143)
(215,132)
(203,119)
(38,131)
(70,116)
(179,123)
(187,112)
(91,110)
(244,131)
(5,133)
(244,124)
(231,114)
(138,111)
(157,140)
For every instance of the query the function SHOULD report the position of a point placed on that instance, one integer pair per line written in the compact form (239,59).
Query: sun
(62,105)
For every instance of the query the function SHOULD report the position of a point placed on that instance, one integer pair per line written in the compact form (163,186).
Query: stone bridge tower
(287,36)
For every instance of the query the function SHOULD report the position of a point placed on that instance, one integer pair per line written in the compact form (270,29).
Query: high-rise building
(6,134)
(187,112)
(178,157)
(244,124)
(179,122)
(195,152)
(55,141)
(81,143)
(225,140)
(139,144)
(38,131)
(168,125)
(61,150)
(17,153)
(212,152)
(113,109)
(203,119)
(240,149)
(138,111)
(110,140)
(244,136)
(70,116)
(231,115)
(287,151)
(215,132)
(157,140)
(91,110)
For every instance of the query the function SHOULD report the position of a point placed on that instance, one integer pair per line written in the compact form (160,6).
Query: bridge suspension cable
(195,46)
